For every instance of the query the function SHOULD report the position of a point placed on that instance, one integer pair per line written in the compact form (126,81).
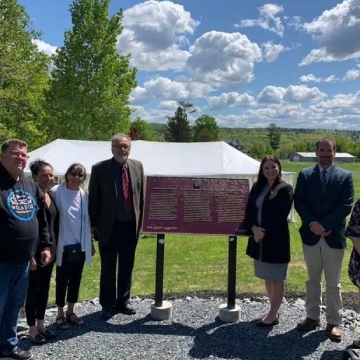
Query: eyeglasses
(79,175)
(121,146)
(20,154)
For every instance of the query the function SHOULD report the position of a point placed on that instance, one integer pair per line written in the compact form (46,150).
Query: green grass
(197,264)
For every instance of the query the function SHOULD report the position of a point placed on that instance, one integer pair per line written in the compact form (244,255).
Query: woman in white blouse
(74,247)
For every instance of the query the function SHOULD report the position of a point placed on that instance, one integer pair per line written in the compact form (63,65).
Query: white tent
(209,159)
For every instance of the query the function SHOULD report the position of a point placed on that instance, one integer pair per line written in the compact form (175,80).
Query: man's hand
(258,232)
(316,228)
(32,264)
(326,233)
(93,251)
(45,257)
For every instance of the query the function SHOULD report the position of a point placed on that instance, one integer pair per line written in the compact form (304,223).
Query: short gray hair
(115,137)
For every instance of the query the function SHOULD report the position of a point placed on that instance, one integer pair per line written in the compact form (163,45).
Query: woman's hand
(45,257)
(356,242)
(258,232)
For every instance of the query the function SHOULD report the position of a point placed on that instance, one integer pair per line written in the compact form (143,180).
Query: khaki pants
(319,258)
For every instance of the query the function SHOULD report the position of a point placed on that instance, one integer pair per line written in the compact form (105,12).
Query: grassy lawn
(199,263)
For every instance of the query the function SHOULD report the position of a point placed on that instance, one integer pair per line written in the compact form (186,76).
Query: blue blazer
(330,209)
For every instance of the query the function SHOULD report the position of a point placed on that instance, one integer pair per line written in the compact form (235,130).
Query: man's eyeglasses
(17,153)
(79,175)
(121,146)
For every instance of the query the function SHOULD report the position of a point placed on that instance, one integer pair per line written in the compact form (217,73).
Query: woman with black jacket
(39,276)
(267,213)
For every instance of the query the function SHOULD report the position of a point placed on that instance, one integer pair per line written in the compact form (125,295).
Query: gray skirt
(268,271)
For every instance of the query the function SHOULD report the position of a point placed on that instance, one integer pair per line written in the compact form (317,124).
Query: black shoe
(308,324)
(48,334)
(37,339)
(18,354)
(125,309)
(106,313)
(260,323)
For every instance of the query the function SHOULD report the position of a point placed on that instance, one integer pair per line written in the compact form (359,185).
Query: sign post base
(162,312)
(229,315)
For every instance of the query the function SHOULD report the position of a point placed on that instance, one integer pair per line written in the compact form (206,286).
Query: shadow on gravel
(247,342)
(241,340)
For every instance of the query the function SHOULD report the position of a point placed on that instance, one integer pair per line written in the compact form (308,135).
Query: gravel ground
(193,332)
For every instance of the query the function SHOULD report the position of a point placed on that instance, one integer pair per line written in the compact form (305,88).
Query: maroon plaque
(195,205)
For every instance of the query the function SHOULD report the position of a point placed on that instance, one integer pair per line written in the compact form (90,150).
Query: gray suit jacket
(330,209)
(102,197)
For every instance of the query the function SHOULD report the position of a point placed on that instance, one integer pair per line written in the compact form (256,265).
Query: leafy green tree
(178,127)
(23,77)
(141,130)
(274,135)
(259,150)
(205,129)
(89,96)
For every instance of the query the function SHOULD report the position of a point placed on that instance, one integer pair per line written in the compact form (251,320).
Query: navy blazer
(275,245)
(330,209)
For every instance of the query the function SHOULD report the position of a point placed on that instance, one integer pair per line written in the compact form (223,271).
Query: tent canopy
(207,159)
(159,158)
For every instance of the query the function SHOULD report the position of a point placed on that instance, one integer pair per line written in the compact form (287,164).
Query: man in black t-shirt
(23,228)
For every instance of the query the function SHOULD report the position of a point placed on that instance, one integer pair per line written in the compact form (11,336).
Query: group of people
(42,225)
(323,198)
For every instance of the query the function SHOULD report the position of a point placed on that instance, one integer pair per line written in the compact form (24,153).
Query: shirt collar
(327,169)
(116,163)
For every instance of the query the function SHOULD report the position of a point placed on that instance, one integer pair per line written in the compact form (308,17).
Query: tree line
(80,92)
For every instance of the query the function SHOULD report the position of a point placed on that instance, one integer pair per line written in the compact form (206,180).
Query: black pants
(38,293)
(68,279)
(119,251)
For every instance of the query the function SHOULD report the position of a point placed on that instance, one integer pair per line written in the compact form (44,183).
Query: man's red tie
(126,190)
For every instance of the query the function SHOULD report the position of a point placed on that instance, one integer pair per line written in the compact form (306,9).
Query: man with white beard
(116,199)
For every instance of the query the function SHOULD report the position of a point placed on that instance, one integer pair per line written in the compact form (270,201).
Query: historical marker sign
(195,205)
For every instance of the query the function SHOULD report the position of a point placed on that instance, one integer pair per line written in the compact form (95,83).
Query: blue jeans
(13,289)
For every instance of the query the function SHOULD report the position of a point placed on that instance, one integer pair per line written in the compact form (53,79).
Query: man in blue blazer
(323,197)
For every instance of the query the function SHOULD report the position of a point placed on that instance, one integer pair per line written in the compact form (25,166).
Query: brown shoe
(308,324)
(333,332)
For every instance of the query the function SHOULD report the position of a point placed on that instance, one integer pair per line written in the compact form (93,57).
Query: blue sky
(247,63)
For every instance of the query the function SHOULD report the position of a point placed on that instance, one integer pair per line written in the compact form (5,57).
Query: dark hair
(37,165)
(326,139)
(74,166)
(261,179)
(5,145)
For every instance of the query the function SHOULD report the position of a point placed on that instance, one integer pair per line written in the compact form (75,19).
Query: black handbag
(73,253)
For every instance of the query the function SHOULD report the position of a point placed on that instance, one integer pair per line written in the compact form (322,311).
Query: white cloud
(352,74)
(232,99)
(271,94)
(272,51)
(223,58)
(313,78)
(45,47)
(337,31)
(155,35)
(341,112)
(295,22)
(293,93)
(302,93)
(340,101)
(268,19)
(162,88)
(168,105)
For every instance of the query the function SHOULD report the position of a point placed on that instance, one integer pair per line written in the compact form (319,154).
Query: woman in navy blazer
(266,218)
